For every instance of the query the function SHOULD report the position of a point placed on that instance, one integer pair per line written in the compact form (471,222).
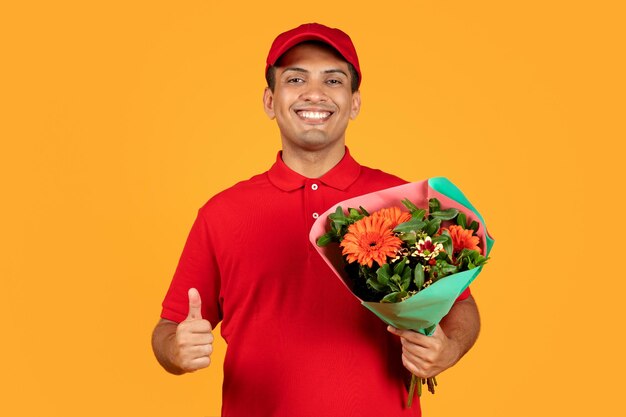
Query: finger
(413,368)
(416,350)
(200,363)
(420,355)
(192,365)
(200,351)
(410,335)
(419,368)
(195,305)
(196,339)
(200,326)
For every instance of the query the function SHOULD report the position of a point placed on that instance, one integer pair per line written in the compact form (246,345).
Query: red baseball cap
(339,40)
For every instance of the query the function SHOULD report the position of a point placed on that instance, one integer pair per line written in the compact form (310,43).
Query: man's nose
(314,92)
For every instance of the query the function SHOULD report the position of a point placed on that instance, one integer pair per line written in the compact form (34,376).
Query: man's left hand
(427,356)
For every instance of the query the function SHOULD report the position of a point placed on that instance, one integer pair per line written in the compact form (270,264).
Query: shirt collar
(341,176)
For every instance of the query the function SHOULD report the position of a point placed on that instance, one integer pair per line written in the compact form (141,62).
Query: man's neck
(313,164)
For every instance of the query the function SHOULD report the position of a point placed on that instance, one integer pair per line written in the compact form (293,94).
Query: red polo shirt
(299,344)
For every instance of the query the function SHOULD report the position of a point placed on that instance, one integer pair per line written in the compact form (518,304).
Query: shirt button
(314,187)
(315,215)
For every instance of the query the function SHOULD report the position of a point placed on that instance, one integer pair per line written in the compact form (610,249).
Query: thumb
(194,305)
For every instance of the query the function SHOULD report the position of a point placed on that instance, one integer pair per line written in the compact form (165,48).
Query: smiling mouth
(313,116)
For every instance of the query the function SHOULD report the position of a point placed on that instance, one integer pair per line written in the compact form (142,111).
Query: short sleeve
(197,268)
(464,295)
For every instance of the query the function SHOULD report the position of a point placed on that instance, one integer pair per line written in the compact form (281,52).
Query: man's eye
(295,80)
(334,82)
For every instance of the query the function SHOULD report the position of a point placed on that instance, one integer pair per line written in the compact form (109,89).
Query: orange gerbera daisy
(370,239)
(463,238)
(394,215)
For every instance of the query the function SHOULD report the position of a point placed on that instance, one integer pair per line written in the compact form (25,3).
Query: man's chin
(316,142)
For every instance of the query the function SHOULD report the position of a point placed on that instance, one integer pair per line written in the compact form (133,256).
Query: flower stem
(414,381)
(431,385)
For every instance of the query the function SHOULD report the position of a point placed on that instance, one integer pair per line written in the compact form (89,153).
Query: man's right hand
(194,341)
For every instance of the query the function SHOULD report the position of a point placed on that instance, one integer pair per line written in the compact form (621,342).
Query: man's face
(312,99)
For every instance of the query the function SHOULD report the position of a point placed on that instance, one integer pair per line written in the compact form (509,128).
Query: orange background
(120,119)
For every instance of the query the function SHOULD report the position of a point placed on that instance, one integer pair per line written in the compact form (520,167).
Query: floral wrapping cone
(422,311)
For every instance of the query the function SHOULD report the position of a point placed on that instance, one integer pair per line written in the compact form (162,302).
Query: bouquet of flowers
(406,264)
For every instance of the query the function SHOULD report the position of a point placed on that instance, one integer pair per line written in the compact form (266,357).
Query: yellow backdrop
(119,119)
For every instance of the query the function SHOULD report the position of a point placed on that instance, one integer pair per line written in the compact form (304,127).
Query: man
(299,344)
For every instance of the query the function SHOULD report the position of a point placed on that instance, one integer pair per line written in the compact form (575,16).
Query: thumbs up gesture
(194,340)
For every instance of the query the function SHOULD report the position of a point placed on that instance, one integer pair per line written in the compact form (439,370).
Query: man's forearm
(163,339)
(462,325)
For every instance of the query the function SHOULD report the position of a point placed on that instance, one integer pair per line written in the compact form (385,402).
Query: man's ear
(268,103)
(356,104)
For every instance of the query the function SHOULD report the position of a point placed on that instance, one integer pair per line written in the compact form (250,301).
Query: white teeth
(314,114)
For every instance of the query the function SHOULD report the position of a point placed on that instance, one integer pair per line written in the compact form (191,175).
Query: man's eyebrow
(331,71)
(328,71)
(297,69)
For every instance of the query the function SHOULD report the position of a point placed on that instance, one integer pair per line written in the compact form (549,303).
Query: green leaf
(474,226)
(442,255)
(469,259)
(409,237)
(461,220)
(395,279)
(337,214)
(412,225)
(340,222)
(390,298)
(433,205)
(418,214)
(365,212)
(354,213)
(409,205)
(375,285)
(324,240)
(399,266)
(418,276)
(383,274)
(394,297)
(432,226)
(406,279)
(338,217)
(448,214)
(481,260)
(395,283)
(443,269)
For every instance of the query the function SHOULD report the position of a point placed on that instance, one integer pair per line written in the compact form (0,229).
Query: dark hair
(270,75)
